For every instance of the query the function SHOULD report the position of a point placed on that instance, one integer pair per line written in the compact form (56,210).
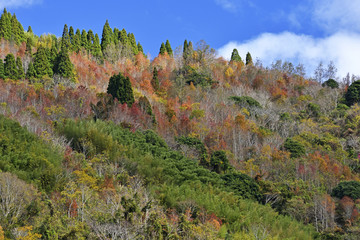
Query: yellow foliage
(1,234)
(27,234)
(229,72)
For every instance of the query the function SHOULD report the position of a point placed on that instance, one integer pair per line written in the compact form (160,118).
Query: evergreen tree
(96,48)
(63,66)
(5,25)
(132,42)
(29,30)
(249,59)
(71,36)
(84,40)
(235,57)
(116,36)
(42,64)
(124,38)
(168,48)
(120,88)
(30,73)
(90,39)
(106,38)
(29,44)
(77,41)
(20,69)
(10,69)
(155,80)
(140,48)
(17,30)
(1,69)
(162,49)
(65,39)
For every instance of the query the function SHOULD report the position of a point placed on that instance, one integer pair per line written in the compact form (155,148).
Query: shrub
(242,185)
(347,188)
(331,83)
(352,95)
(294,147)
(245,101)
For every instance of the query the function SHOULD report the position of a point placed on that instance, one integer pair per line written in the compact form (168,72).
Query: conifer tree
(155,80)
(29,44)
(42,64)
(124,38)
(29,30)
(249,59)
(84,40)
(168,48)
(77,41)
(30,73)
(235,57)
(96,48)
(140,48)
(10,69)
(1,69)
(17,30)
(63,66)
(20,69)
(65,39)
(5,25)
(162,49)
(90,39)
(132,42)
(52,54)
(71,36)
(106,38)
(120,88)
(116,36)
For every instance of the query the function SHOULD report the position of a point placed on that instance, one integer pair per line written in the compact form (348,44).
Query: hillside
(100,142)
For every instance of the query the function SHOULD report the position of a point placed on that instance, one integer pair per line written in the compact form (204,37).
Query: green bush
(348,188)
(331,83)
(294,147)
(352,95)
(242,185)
(245,101)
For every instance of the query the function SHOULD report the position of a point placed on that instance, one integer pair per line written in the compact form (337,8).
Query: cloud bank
(341,48)
(17,3)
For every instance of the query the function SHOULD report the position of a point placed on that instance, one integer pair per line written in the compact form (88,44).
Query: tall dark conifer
(168,48)
(30,73)
(77,41)
(249,60)
(71,36)
(106,38)
(1,69)
(96,48)
(29,30)
(10,69)
(63,66)
(162,49)
(65,39)
(84,40)
(132,42)
(20,69)
(17,30)
(140,48)
(42,64)
(155,80)
(5,25)
(29,44)
(235,57)
(120,88)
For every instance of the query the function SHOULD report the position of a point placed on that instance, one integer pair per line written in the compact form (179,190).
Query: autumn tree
(120,88)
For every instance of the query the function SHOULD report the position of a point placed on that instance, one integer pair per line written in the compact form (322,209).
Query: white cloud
(342,48)
(17,3)
(228,5)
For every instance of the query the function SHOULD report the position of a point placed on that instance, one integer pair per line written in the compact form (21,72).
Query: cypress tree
(116,36)
(77,41)
(155,80)
(63,66)
(249,59)
(168,48)
(17,30)
(106,37)
(84,40)
(185,50)
(1,69)
(52,54)
(30,73)
(140,48)
(29,44)
(235,57)
(71,36)
(5,25)
(132,42)
(20,68)
(124,38)
(29,30)
(96,48)
(120,88)
(65,39)
(90,39)
(162,49)
(10,69)
(42,64)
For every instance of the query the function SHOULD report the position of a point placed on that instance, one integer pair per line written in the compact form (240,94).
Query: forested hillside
(97,141)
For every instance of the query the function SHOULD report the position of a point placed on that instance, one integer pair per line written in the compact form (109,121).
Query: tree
(168,48)
(352,95)
(249,60)
(77,41)
(20,69)
(30,73)
(235,57)
(294,147)
(140,48)
(42,64)
(331,83)
(132,42)
(29,30)
(106,37)
(120,88)
(319,73)
(29,44)
(219,161)
(84,40)
(331,71)
(5,25)
(71,36)
(63,66)
(155,80)
(65,39)
(1,69)
(10,69)
(17,30)
(162,49)
(96,48)
(347,188)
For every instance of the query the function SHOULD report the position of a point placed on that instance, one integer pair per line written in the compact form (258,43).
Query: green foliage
(155,80)
(10,28)
(347,188)
(29,44)
(219,161)
(235,57)
(162,49)
(245,101)
(10,68)
(96,48)
(196,78)
(2,74)
(120,88)
(140,48)
(242,185)
(106,38)
(294,147)
(313,109)
(42,64)
(30,73)
(168,48)
(76,43)
(249,60)
(331,83)
(132,42)
(352,95)
(63,66)
(65,39)
(20,69)
(84,40)
(27,156)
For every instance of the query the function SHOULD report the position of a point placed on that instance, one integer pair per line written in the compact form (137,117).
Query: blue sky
(307,31)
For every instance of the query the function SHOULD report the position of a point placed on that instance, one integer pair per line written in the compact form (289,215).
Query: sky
(300,31)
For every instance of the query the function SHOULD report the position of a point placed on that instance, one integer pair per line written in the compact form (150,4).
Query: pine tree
(71,36)
(29,44)
(63,66)
(17,30)
(84,40)
(1,69)
(155,80)
(20,69)
(5,25)
(90,39)
(235,57)
(124,38)
(116,36)
(168,48)
(96,48)
(120,88)
(30,73)
(77,41)
(106,38)
(65,39)
(132,42)
(162,49)
(10,69)
(140,48)
(249,59)
(42,64)
(29,30)
(52,54)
